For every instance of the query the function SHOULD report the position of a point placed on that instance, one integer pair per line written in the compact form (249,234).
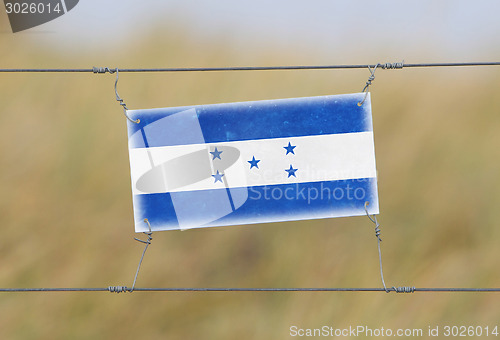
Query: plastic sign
(252,162)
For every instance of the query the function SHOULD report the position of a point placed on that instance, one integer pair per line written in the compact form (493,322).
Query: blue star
(253,162)
(291,171)
(216,153)
(218,177)
(289,148)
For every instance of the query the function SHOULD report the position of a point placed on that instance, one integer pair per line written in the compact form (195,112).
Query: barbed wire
(398,65)
(121,289)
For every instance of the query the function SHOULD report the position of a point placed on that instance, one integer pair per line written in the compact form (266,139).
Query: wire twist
(147,242)
(368,83)
(377,234)
(120,100)
(379,239)
(374,220)
(102,70)
(371,78)
(117,289)
(389,66)
(122,289)
(404,289)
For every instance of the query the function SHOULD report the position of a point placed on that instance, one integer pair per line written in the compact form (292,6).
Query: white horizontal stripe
(316,158)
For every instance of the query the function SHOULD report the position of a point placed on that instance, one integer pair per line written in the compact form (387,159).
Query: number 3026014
(32,8)
(473,331)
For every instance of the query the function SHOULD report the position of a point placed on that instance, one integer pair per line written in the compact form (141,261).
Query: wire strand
(173,289)
(247,68)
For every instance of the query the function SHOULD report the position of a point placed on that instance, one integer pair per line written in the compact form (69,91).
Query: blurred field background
(66,207)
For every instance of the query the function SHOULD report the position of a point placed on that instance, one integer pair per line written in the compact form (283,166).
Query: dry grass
(66,211)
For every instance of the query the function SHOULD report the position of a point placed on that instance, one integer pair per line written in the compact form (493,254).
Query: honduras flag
(252,162)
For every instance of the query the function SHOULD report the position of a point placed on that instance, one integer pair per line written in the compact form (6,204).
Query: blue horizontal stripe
(252,120)
(272,203)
